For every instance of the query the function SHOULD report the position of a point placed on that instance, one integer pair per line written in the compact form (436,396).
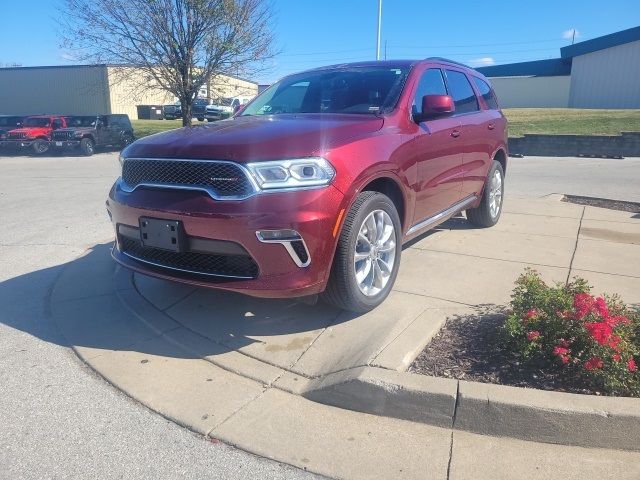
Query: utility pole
(379,25)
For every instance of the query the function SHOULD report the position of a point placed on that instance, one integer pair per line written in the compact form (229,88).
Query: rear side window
(431,83)
(486,93)
(462,92)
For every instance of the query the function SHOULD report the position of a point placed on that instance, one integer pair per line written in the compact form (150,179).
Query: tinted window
(431,83)
(364,90)
(10,121)
(462,93)
(486,93)
(85,121)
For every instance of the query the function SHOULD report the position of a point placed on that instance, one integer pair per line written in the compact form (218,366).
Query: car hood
(32,131)
(248,138)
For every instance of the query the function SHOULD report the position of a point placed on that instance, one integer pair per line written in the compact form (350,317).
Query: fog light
(277,235)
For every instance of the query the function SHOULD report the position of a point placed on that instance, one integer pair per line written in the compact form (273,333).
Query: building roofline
(102,65)
(554,67)
(600,43)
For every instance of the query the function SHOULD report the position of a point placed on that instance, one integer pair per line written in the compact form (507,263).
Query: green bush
(596,339)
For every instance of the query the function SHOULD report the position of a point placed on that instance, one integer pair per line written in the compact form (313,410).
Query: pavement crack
(235,412)
(575,247)
(450,456)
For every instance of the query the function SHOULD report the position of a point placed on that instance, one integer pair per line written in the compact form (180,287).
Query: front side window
(431,83)
(87,121)
(463,96)
(360,90)
(486,93)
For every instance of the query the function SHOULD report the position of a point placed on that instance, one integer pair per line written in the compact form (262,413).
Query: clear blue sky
(313,33)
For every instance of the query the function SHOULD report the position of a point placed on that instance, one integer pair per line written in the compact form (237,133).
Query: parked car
(88,132)
(199,108)
(34,133)
(224,108)
(9,122)
(171,112)
(316,185)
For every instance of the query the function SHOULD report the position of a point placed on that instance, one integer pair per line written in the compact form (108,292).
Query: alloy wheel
(495,194)
(375,253)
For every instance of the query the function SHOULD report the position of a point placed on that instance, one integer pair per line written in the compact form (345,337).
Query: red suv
(35,133)
(314,187)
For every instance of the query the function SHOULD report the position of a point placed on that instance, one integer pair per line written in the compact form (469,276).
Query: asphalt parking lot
(61,420)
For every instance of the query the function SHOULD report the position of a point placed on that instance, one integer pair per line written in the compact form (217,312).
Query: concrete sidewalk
(231,368)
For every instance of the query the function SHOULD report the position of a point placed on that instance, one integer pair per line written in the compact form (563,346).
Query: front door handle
(491,126)
(455,133)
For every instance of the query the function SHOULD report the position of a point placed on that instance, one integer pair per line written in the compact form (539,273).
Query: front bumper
(16,143)
(233,225)
(65,143)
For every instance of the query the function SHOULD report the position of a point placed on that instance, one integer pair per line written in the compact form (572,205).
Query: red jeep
(34,133)
(314,187)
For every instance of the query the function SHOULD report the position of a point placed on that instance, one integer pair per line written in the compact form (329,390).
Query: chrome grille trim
(16,135)
(214,191)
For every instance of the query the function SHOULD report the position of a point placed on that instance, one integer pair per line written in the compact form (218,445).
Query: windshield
(363,90)
(37,122)
(82,122)
(224,102)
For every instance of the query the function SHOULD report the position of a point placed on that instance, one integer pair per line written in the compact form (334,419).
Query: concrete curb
(527,414)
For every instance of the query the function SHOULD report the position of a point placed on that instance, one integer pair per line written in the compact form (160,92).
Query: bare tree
(178,45)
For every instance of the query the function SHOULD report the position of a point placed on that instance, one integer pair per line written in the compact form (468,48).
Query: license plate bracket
(160,233)
(58,144)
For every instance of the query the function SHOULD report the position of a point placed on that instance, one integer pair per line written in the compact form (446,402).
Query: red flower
(564,359)
(560,351)
(600,331)
(613,321)
(533,335)
(616,357)
(564,343)
(583,304)
(531,314)
(601,307)
(593,363)
(631,365)
(564,314)
(614,341)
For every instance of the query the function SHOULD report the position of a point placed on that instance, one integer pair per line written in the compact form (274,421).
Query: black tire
(87,147)
(482,216)
(201,119)
(40,146)
(342,288)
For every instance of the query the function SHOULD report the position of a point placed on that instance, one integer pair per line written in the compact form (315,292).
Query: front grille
(220,179)
(239,266)
(62,135)
(16,135)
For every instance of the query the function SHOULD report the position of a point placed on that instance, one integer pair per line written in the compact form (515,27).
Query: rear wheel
(87,147)
(40,146)
(367,257)
(490,208)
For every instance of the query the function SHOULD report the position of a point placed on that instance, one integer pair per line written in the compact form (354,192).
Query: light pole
(379,25)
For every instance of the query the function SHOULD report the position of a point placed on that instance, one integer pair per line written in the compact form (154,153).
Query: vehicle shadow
(76,304)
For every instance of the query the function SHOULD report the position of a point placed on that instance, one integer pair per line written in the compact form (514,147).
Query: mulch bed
(632,207)
(469,348)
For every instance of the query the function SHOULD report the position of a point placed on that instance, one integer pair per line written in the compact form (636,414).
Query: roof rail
(442,59)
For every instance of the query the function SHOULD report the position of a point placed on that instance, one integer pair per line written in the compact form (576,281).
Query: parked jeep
(224,108)
(199,108)
(35,133)
(87,132)
(171,112)
(9,122)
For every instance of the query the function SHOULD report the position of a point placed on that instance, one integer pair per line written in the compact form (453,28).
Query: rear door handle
(491,126)
(455,133)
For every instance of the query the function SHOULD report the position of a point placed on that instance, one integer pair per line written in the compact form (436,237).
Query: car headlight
(77,134)
(295,173)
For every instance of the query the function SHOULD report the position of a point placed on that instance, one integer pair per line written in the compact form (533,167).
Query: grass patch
(521,121)
(571,121)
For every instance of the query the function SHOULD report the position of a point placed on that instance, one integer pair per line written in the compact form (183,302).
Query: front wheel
(40,146)
(488,212)
(367,256)
(87,147)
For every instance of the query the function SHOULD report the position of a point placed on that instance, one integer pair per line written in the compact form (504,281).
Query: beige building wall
(54,90)
(532,92)
(126,93)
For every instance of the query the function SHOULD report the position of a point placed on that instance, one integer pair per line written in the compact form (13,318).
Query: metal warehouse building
(600,73)
(89,89)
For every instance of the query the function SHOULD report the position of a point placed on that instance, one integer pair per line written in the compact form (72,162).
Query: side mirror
(434,106)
